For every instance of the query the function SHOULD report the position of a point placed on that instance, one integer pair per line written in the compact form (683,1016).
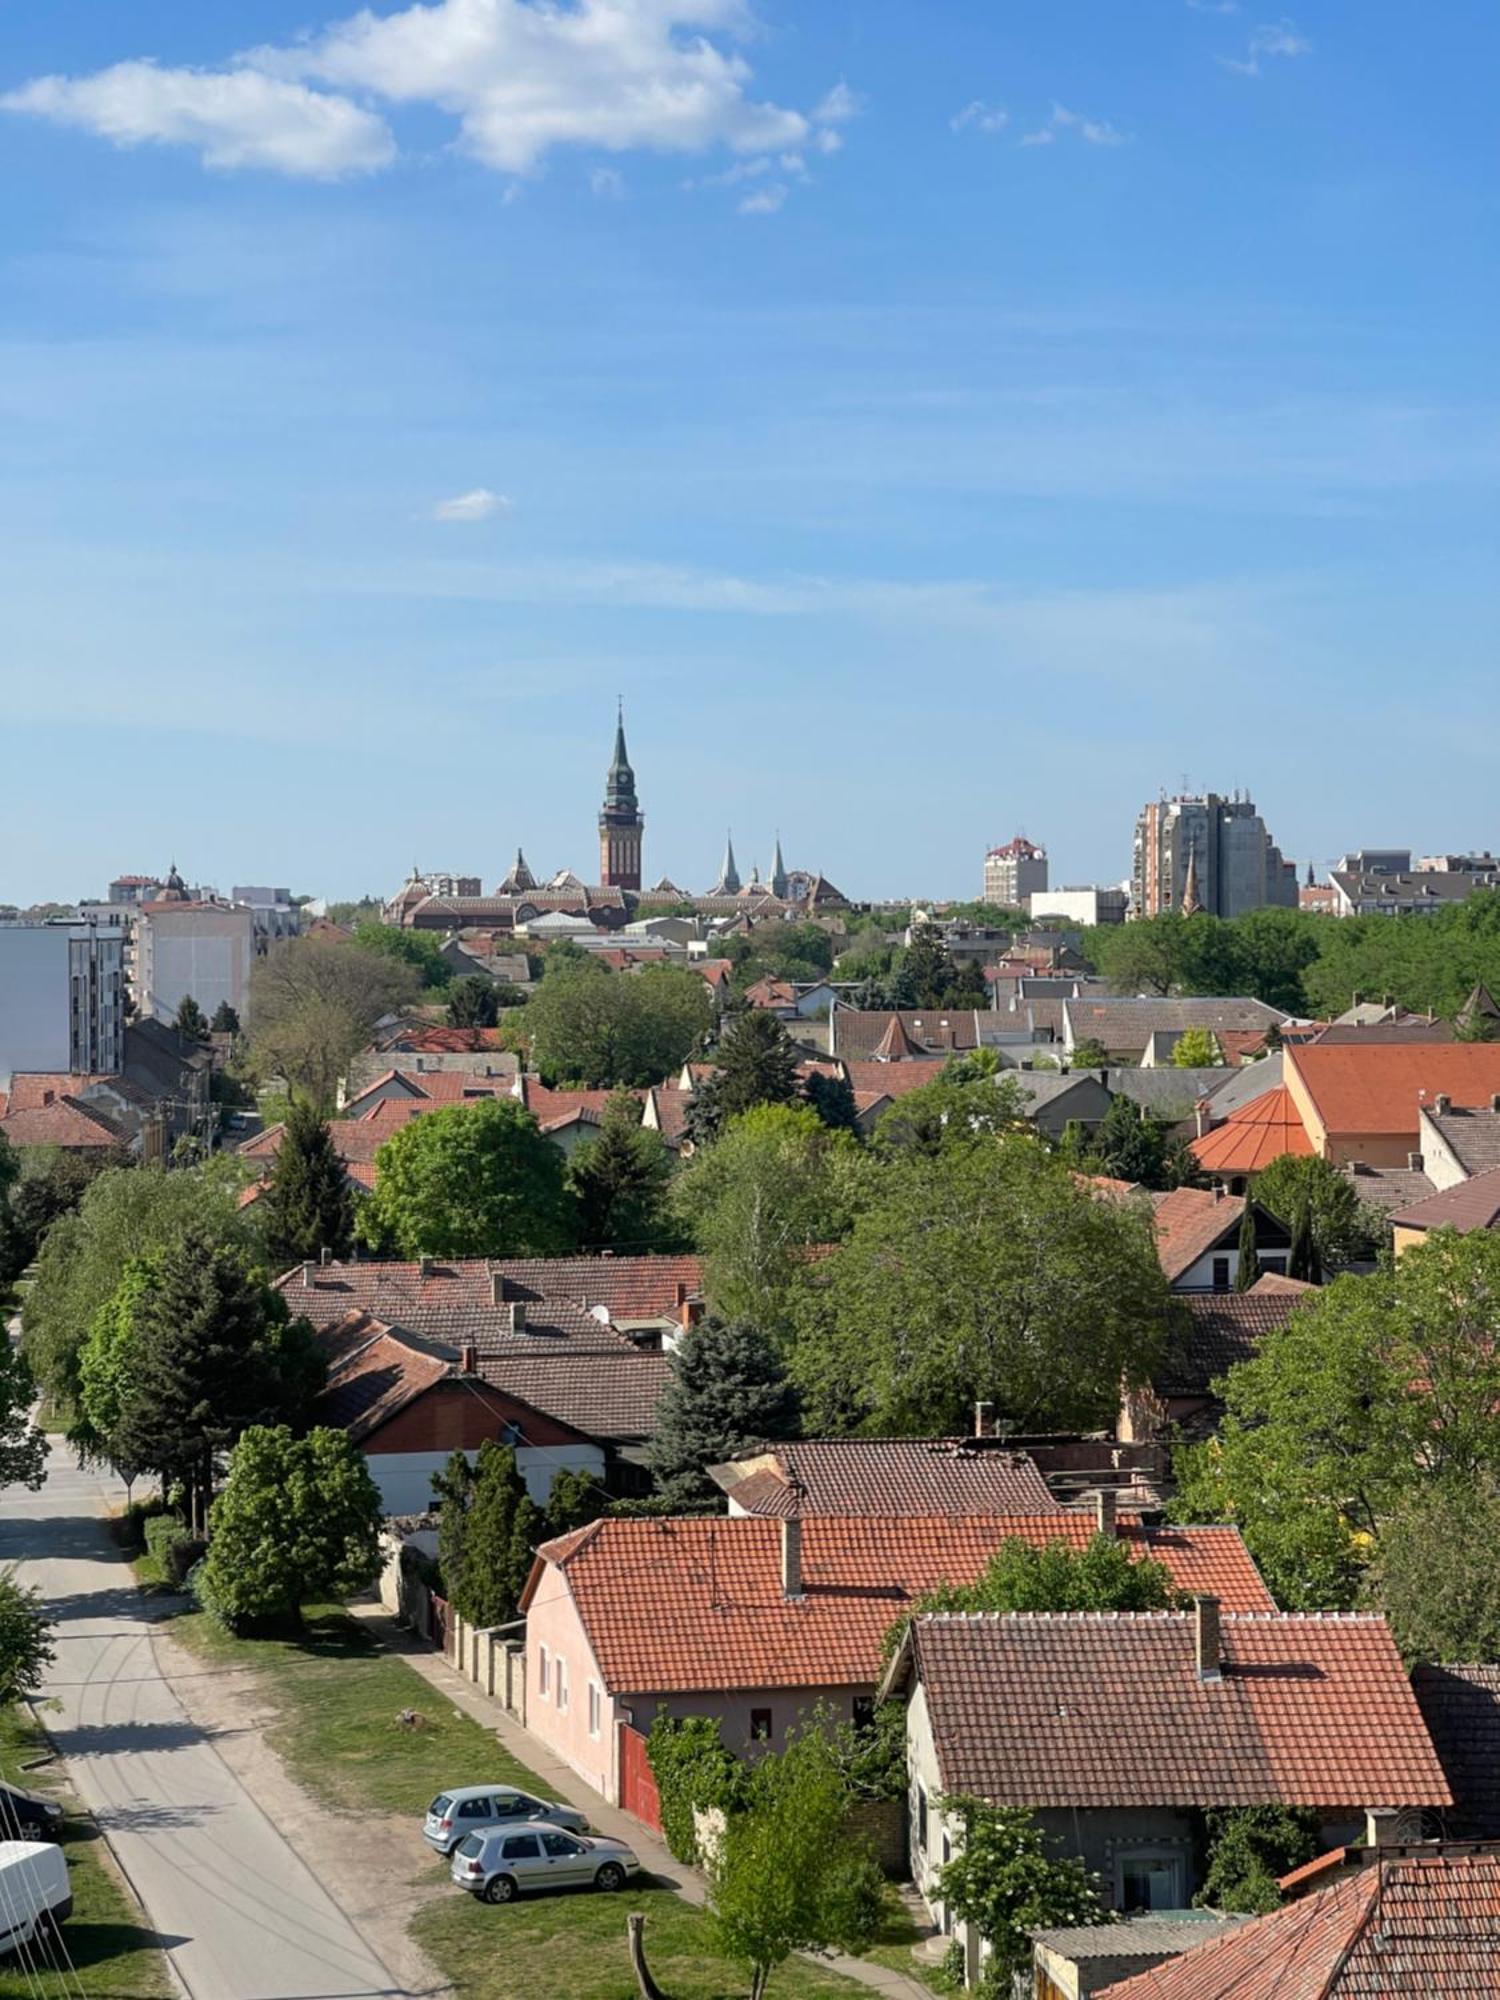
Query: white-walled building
(62,998)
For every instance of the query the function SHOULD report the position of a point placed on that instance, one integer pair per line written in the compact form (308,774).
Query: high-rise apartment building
(62,999)
(1209,853)
(1014,872)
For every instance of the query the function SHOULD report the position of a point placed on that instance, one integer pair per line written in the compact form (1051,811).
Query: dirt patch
(374,1865)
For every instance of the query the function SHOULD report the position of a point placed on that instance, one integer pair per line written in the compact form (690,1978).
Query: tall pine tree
(1247,1268)
(728,1390)
(756,1065)
(619,1181)
(190,1022)
(453,1489)
(1303,1260)
(307,1207)
(489,1586)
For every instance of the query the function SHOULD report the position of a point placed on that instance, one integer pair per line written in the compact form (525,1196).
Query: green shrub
(693,1772)
(172,1548)
(129,1528)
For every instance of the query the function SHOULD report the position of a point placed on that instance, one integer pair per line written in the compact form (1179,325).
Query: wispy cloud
(478,505)
(1093,131)
(1214,6)
(520,77)
(1272,38)
(607,182)
(765,200)
(980,116)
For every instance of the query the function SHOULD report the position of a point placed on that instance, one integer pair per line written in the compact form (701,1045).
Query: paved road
(241,1915)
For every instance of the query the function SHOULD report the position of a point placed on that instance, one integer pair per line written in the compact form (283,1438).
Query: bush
(172,1548)
(693,1771)
(129,1528)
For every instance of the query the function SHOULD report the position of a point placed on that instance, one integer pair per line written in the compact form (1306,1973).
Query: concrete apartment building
(62,999)
(1086,906)
(1207,853)
(202,949)
(1014,873)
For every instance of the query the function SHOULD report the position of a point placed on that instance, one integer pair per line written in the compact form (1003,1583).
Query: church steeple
(728,883)
(620,822)
(778,872)
(1191,902)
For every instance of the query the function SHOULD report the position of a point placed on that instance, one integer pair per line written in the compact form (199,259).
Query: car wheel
(500,1889)
(610,1877)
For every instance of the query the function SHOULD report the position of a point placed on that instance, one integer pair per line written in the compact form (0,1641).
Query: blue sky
(936,421)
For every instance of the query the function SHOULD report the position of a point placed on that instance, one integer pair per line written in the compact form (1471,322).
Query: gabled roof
(1399,1926)
(1473,1137)
(1253,1136)
(374,1370)
(1218,1331)
(1189,1222)
(1081,1709)
(1461,1707)
(896,1044)
(694,1605)
(450,1303)
(891,1079)
(858,1033)
(66,1122)
(1122,1023)
(608,1393)
(884,1476)
(1473,1204)
(1358,1090)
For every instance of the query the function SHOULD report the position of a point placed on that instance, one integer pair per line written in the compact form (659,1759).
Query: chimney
(424,1267)
(1200,1116)
(1495,1101)
(682,1294)
(791,1556)
(1106,1502)
(468,1360)
(1382,1826)
(983,1413)
(518,1315)
(325,1256)
(307,1276)
(1414,1162)
(1218,1191)
(497,1289)
(1442,1104)
(1208,1648)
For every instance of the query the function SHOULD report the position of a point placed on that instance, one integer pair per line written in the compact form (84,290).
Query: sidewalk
(560,1779)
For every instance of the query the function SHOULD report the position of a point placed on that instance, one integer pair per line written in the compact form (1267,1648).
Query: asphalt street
(240,1913)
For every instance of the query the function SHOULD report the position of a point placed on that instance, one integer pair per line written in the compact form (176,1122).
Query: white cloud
(1093,131)
(520,77)
(983,117)
(765,200)
(1272,38)
(607,182)
(236,118)
(479,505)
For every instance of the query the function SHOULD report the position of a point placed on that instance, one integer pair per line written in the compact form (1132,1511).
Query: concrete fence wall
(493,1661)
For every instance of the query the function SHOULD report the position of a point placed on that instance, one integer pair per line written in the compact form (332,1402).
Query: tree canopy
(619,1182)
(589,1025)
(728,1390)
(1343,1229)
(470,1180)
(314,1003)
(307,1206)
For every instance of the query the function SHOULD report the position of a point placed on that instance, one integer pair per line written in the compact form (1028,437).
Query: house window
(760,1725)
(1221,1274)
(596,1708)
(1277,1264)
(921,1819)
(562,1682)
(541,1672)
(1150,1879)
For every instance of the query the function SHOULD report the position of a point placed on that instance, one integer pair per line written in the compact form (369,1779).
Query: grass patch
(893,1947)
(115,1954)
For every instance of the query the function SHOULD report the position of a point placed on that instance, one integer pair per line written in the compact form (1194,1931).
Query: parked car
(472,1808)
(26,1816)
(35,1892)
(499,1864)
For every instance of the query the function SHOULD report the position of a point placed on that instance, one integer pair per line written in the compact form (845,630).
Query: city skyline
(934,437)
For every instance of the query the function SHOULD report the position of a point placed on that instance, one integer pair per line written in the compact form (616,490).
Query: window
(558,1844)
(512,1805)
(523,1847)
(760,1725)
(1150,1879)
(562,1682)
(1277,1264)
(596,1708)
(1221,1274)
(921,1819)
(474,1809)
(541,1672)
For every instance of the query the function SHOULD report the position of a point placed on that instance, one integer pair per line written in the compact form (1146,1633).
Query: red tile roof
(1473,1204)
(66,1122)
(1253,1136)
(452,1302)
(1081,1709)
(1394,1928)
(892,1079)
(554,1105)
(430,1087)
(1358,1090)
(698,1604)
(1219,1330)
(373,1372)
(1189,1223)
(630,1287)
(608,1393)
(929,1476)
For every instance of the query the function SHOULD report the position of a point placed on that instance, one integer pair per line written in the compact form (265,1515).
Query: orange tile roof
(1361,1090)
(1471,1204)
(1407,1924)
(65,1122)
(1080,1709)
(1253,1136)
(430,1086)
(893,1079)
(1189,1222)
(698,1604)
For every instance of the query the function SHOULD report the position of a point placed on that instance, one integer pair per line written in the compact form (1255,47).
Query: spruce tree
(619,1181)
(453,1489)
(1247,1269)
(472,1002)
(1303,1260)
(728,1391)
(757,1065)
(189,1021)
(526,1532)
(225,1020)
(487,1595)
(307,1207)
(927,967)
(574,1501)
(832,1097)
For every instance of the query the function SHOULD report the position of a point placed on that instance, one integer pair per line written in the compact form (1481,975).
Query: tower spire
(778,870)
(620,822)
(728,883)
(1191,902)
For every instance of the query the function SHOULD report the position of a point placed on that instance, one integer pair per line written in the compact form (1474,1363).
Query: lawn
(115,1955)
(336,1696)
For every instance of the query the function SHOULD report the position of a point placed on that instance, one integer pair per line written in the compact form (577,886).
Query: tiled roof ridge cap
(1371,1618)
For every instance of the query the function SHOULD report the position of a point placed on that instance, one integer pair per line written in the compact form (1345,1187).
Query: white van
(35,1892)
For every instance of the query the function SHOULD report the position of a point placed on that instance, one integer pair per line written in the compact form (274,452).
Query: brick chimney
(1106,1507)
(791,1557)
(468,1360)
(983,1419)
(1207,1641)
(424,1267)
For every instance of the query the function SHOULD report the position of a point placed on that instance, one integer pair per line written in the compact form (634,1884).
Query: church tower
(620,821)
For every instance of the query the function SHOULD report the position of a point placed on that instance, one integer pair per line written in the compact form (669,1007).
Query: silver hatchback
(499,1865)
(475,1808)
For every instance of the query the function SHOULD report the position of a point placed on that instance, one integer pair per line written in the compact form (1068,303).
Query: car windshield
(440,1805)
(471,1845)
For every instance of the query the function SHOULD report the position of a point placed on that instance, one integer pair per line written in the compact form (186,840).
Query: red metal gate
(638,1793)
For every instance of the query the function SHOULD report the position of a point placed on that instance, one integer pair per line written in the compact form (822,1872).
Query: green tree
(473,1002)
(453,1489)
(928,967)
(1102,1576)
(23,1449)
(591,1026)
(788,1875)
(225,1020)
(728,1390)
(777,1181)
(573,1501)
(620,1182)
(1128,1146)
(1006,1881)
(298,1522)
(1247,1263)
(314,1004)
(1197,1048)
(26,1649)
(418,949)
(1303,1261)
(469,1180)
(307,1206)
(1342,1230)
(108,1363)
(1435,1576)
(1090,1053)
(832,1097)
(495,1564)
(988,1272)
(1249,1848)
(1377,1389)
(968,1103)
(189,1021)
(757,1064)
(124,1213)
